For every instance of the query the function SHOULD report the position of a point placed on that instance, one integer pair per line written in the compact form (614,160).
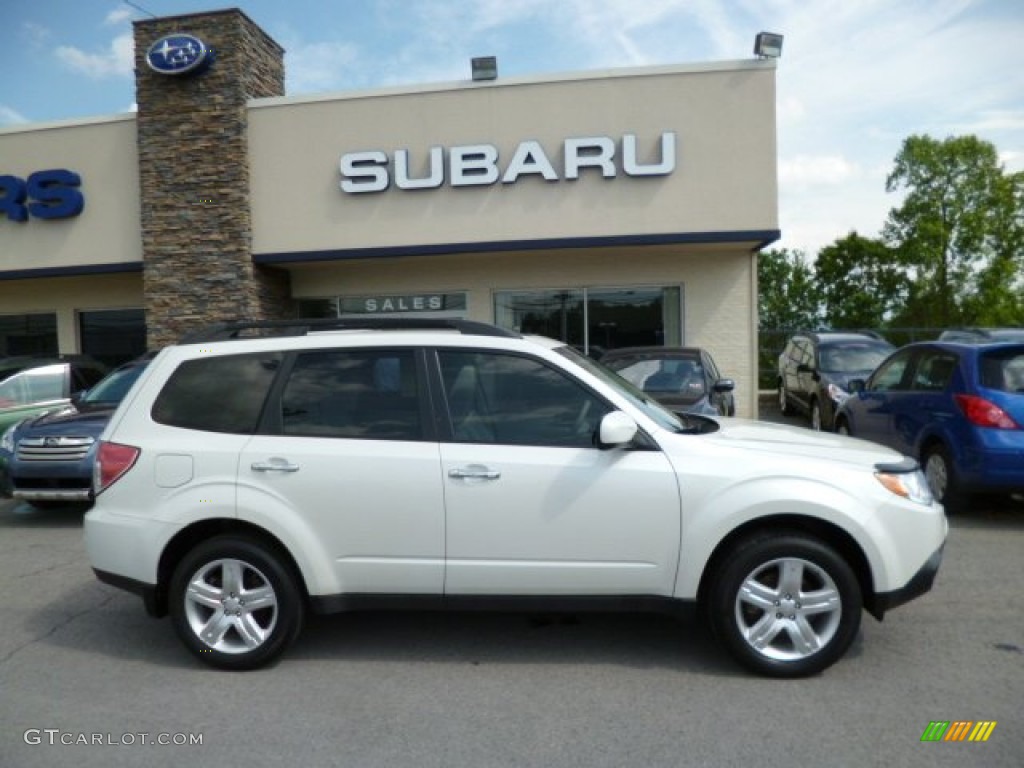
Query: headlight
(909,485)
(837,394)
(7,440)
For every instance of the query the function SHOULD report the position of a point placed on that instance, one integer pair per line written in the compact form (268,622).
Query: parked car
(17,363)
(815,370)
(48,459)
(682,378)
(45,388)
(982,335)
(452,464)
(957,407)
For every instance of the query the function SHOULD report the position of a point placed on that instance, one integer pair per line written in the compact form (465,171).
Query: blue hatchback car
(47,460)
(957,407)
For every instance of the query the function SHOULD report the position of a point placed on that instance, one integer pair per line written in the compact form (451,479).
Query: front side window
(890,375)
(362,394)
(217,394)
(513,400)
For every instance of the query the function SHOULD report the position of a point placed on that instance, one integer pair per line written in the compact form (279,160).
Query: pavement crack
(63,622)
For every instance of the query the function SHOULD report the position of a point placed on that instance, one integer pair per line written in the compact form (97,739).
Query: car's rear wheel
(938,469)
(784,604)
(235,603)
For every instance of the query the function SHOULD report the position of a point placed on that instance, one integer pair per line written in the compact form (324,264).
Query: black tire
(942,479)
(784,407)
(801,638)
(237,636)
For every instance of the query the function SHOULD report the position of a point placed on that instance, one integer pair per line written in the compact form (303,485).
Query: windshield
(114,387)
(651,408)
(853,356)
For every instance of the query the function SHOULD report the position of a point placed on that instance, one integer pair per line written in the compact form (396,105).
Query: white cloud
(36,34)
(117,61)
(827,170)
(9,116)
(118,15)
(318,66)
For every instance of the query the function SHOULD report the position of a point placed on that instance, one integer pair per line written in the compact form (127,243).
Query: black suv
(815,370)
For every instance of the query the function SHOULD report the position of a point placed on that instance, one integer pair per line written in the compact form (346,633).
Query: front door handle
(474,472)
(274,465)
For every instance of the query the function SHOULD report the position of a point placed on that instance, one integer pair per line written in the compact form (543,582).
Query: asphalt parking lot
(87,679)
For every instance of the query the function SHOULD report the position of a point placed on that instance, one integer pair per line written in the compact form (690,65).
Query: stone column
(194,178)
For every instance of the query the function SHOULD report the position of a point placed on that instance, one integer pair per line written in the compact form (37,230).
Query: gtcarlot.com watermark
(55,736)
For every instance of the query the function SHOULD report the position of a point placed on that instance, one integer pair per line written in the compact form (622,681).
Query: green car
(45,388)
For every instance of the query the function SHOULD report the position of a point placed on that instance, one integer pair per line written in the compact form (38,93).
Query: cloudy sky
(856,76)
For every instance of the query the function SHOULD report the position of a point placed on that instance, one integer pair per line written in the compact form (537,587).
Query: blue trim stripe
(75,271)
(761,238)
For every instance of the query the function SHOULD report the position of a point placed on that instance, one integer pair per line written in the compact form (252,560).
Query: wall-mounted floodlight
(768,45)
(485,68)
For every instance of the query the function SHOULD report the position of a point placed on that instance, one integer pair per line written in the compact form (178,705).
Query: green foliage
(860,282)
(957,233)
(788,296)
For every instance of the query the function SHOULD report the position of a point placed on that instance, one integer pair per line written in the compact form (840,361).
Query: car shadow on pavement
(21,514)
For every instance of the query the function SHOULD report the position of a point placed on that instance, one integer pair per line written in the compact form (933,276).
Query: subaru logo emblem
(178,54)
(51,442)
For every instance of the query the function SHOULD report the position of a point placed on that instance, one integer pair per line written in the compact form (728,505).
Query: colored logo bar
(958,730)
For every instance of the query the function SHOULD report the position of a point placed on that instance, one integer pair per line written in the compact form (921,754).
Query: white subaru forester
(264,470)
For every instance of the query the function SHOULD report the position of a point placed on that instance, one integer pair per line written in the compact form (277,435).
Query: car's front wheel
(235,603)
(784,604)
(941,476)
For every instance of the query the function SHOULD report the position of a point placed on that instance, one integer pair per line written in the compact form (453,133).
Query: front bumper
(881,602)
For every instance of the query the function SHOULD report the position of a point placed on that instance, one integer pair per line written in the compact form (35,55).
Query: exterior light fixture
(768,45)
(485,68)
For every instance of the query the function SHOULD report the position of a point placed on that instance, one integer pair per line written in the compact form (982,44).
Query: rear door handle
(274,465)
(474,472)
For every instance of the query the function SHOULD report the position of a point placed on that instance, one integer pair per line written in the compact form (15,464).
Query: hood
(799,442)
(67,421)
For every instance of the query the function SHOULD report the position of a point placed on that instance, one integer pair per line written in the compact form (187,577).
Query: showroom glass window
(34,334)
(595,319)
(113,336)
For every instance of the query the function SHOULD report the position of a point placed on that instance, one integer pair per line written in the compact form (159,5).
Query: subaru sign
(179,54)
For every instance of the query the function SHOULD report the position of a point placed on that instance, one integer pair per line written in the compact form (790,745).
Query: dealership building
(613,208)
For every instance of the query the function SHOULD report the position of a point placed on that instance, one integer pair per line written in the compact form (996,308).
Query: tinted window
(368,394)
(1003,369)
(934,370)
(217,394)
(498,398)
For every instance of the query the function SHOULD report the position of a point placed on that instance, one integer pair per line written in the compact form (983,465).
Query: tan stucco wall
(66,296)
(725,178)
(102,152)
(717,290)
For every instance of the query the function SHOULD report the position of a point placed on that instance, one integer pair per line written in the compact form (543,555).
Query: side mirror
(616,428)
(856,385)
(76,397)
(725,385)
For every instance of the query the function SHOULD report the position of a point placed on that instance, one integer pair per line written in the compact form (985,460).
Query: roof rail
(247,329)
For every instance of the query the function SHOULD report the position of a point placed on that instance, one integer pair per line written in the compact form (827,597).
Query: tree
(860,282)
(957,230)
(787,295)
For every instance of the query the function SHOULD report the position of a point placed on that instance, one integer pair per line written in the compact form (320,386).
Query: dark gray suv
(815,370)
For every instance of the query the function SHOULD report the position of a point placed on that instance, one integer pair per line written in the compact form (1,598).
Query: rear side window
(359,394)
(217,394)
(1003,370)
